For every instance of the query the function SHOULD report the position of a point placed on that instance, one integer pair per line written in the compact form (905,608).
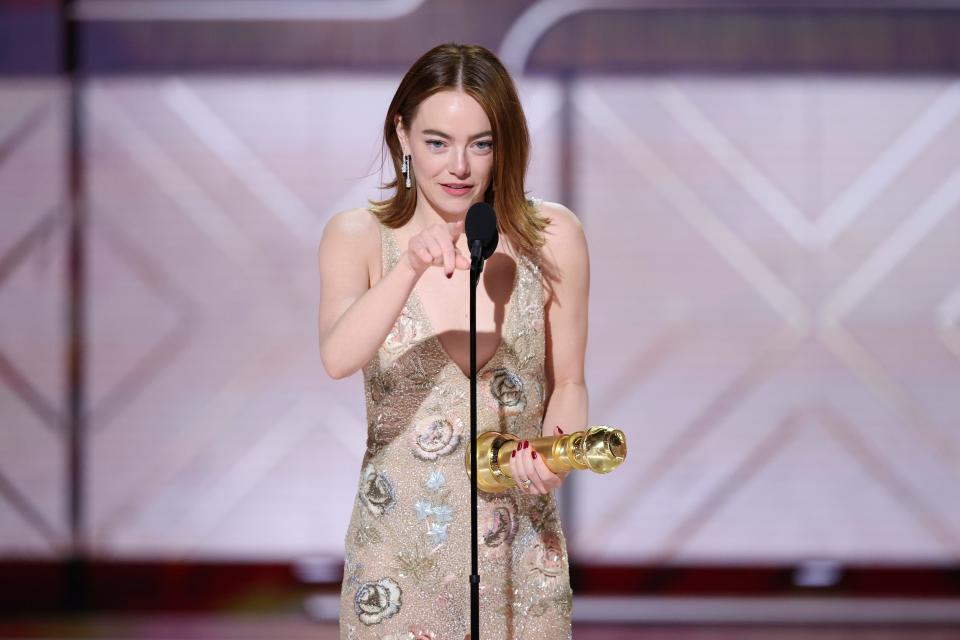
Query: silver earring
(405,170)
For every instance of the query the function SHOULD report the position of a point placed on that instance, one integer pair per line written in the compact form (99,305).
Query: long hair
(479,73)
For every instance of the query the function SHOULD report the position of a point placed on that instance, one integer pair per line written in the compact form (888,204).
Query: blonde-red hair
(476,71)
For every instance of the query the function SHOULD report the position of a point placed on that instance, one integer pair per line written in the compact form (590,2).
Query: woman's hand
(436,246)
(527,465)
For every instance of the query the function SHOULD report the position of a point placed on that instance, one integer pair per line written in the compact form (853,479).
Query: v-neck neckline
(420,311)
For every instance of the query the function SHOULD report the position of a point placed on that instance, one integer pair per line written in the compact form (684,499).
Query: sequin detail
(435,436)
(376,491)
(377,601)
(409,538)
(506,390)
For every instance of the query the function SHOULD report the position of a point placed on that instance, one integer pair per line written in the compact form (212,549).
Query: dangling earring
(405,170)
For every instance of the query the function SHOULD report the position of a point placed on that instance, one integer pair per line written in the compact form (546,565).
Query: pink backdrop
(775,313)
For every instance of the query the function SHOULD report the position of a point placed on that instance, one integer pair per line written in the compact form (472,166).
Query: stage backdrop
(775,312)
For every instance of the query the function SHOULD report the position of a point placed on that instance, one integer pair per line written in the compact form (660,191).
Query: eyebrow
(441,134)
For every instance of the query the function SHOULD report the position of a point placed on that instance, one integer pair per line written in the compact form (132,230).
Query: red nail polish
(534,454)
(449,275)
(559,429)
(526,444)
(513,454)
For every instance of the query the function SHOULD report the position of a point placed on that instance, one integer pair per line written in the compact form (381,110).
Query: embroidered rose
(376,491)
(506,389)
(498,522)
(435,436)
(546,557)
(377,601)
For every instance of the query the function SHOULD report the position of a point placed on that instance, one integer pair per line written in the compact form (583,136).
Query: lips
(457,188)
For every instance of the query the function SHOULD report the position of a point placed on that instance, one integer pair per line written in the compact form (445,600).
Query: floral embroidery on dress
(376,491)
(381,385)
(436,511)
(436,480)
(381,431)
(498,523)
(545,558)
(377,601)
(403,334)
(543,514)
(506,390)
(415,633)
(365,533)
(435,436)
(415,562)
(416,373)
(407,520)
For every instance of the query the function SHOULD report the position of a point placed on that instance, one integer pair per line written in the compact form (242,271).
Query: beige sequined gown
(408,544)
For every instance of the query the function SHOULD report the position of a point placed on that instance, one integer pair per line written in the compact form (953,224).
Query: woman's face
(451,147)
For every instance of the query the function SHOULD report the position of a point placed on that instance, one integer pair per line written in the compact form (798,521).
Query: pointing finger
(449,263)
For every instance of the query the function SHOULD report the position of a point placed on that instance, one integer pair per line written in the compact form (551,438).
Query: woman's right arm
(355,318)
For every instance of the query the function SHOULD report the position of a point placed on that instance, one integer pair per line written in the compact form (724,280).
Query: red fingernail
(534,454)
(449,275)
(526,444)
(559,429)
(513,454)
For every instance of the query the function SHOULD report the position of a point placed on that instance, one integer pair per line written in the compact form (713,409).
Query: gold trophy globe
(600,449)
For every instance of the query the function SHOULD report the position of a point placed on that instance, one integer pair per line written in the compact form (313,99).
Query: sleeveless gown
(407,568)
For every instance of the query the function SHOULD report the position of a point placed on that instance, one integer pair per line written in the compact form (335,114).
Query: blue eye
(435,144)
(485,144)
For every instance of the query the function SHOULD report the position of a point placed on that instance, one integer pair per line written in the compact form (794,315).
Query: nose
(459,165)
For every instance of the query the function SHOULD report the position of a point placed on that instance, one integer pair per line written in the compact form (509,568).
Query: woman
(394,302)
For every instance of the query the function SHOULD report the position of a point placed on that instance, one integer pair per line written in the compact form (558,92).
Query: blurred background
(771,195)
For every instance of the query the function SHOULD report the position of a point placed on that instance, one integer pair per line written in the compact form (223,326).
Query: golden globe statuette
(600,449)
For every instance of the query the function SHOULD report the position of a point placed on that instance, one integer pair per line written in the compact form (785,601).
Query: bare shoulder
(564,236)
(358,228)
(351,244)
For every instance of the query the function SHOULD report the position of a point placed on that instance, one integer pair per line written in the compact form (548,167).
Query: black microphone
(482,235)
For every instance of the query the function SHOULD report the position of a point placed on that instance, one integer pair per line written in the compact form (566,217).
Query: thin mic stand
(476,267)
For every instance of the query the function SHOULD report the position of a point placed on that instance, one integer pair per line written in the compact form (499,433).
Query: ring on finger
(526,483)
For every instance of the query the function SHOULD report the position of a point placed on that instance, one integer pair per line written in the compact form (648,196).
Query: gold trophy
(600,449)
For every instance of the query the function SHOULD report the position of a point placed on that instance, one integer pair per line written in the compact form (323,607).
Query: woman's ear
(402,134)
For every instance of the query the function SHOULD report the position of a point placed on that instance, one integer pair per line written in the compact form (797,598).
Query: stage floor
(249,627)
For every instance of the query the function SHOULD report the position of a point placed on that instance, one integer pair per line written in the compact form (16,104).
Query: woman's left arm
(566,323)
(566,260)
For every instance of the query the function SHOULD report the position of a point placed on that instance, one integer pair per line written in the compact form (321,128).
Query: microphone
(482,236)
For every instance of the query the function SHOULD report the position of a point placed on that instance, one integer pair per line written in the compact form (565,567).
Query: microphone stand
(476,267)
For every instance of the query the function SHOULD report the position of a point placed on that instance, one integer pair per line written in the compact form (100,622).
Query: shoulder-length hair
(479,73)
